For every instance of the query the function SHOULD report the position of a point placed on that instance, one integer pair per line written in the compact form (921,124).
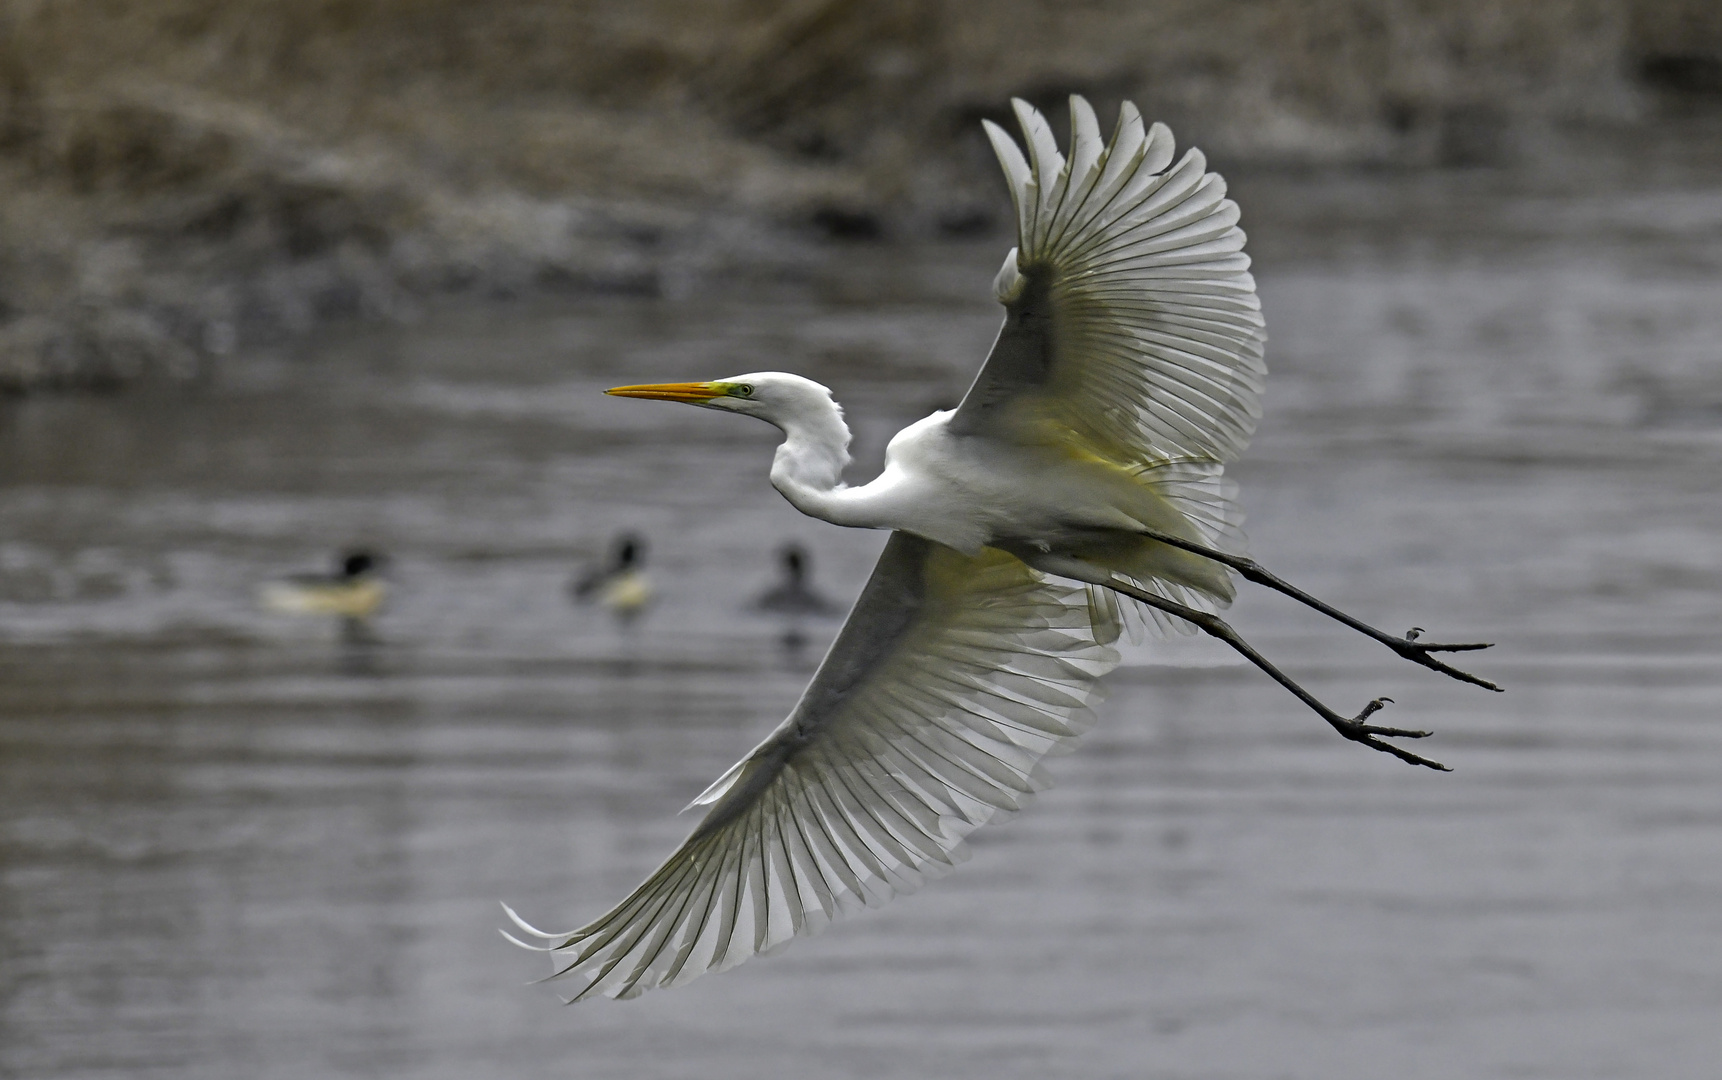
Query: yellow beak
(692,392)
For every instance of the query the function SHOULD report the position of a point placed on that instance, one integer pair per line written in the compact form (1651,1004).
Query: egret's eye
(742,390)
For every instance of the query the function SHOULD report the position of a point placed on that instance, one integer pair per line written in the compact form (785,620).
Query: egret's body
(1091,448)
(974,491)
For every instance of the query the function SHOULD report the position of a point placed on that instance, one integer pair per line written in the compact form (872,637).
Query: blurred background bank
(182,179)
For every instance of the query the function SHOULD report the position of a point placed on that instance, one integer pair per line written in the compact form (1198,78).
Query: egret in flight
(1079,479)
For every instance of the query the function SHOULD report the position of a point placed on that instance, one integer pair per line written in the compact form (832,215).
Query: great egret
(621,585)
(353,591)
(1090,448)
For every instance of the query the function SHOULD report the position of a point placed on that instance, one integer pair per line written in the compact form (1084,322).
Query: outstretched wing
(952,679)
(1131,317)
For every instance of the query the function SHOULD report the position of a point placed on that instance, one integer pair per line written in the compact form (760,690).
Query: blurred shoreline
(183,180)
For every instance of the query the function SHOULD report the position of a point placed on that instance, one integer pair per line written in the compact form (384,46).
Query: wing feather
(1016,168)
(1131,316)
(952,679)
(1047,163)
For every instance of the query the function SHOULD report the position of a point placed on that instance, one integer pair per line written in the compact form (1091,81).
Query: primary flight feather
(1085,464)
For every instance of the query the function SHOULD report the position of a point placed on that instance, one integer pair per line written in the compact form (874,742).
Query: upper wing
(1131,316)
(952,678)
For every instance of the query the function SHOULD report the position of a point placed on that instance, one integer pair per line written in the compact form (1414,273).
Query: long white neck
(808,466)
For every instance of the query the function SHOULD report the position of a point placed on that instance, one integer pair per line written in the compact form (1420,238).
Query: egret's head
(773,396)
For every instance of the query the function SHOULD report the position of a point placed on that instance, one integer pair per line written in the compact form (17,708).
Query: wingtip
(512,940)
(514,917)
(1159,147)
(1027,116)
(1086,142)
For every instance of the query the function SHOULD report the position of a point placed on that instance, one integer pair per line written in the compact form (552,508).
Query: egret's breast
(968,491)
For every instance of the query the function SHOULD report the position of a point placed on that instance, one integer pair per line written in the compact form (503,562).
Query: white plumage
(1145,269)
(975,669)
(1091,447)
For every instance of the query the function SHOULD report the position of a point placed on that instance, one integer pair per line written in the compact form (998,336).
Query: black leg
(1408,646)
(1353,728)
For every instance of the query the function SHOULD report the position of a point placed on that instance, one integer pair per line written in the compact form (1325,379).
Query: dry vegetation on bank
(181,177)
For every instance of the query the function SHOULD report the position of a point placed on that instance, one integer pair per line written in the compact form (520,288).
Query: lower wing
(952,678)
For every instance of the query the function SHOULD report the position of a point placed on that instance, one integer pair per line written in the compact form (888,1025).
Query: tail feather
(1205,501)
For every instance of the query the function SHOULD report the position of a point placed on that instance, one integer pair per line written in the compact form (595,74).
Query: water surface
(236,843)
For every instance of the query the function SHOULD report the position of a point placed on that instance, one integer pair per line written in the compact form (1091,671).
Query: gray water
(239,844)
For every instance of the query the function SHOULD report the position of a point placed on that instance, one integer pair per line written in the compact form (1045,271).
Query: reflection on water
(239,843)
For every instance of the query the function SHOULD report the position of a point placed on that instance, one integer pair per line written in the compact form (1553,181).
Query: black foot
(1370,735)
(1418,653)
(1353,728)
